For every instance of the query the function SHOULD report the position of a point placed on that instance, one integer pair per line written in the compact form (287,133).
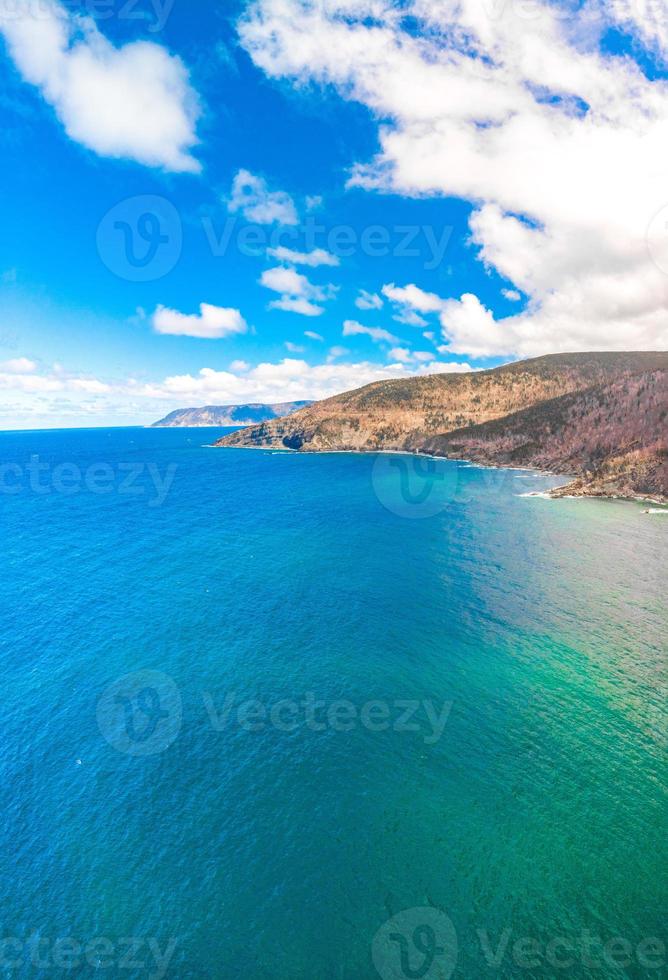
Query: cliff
(602,417)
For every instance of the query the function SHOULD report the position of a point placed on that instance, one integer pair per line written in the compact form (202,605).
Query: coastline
(556,493)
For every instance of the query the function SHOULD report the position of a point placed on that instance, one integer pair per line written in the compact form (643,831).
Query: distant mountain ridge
(602,417)
(222,415)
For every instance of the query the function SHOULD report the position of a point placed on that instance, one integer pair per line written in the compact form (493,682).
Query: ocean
(325,717)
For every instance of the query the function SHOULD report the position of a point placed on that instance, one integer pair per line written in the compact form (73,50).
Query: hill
(222,415)
(602,417)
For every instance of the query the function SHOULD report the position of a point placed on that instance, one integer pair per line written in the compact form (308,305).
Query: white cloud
(133,102)
(409,317)
(400,354)
(445,367)
(19,375)
(251,196)
(296,304)
(288,380)
(352,328)
(471,329)
(646,18)
(212,322)
(312,335)
(315,258)
(407,356)
(522,112)
(336,351)
(512,294)
(298,294)
(368,301)
(413,297)
(410,302)
(61,396)
(18,365)
(293,348)
(282,279)
(90,385)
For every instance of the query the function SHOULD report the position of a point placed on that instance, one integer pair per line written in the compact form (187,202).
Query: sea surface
(325,717)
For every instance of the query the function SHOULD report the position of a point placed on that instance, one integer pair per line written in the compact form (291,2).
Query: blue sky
(207,203)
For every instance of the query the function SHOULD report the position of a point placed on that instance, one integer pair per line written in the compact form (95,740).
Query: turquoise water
(277,843)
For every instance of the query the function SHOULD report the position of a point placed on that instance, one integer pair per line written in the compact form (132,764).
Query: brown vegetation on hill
(600,416)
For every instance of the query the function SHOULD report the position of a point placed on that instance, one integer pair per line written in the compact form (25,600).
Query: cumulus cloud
(251,195)
(298,294)
(18,365)
(368,301)
(20,375)
(290,379)
(319,256)
(65,395)
(211,323)
(556,142)
(336,351)
(352,328)
(413,297)
(133,102)
(400,354)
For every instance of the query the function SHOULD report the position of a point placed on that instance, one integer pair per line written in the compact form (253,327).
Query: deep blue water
(461,720)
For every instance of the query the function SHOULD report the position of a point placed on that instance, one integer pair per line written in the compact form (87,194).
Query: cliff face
(227,414)
(600,416)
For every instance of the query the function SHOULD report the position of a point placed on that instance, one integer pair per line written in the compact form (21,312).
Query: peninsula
(223,415)
(601,417)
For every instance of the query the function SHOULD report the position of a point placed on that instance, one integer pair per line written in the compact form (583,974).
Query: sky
(223,202)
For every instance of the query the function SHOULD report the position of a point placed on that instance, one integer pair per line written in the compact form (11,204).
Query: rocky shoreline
(601,417)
